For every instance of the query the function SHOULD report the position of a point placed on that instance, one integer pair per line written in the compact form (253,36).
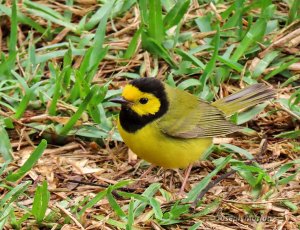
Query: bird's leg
(186,177)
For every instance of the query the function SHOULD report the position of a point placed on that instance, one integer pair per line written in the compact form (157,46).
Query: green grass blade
(130,218)
(29,93)
(67,68)
(189,57)
(188,83)
(22,19)
(31,56)
(174,16)
(100,14)
(283,169)
(43,8)
(148,193)
(239,150)
(254,174)
(154,47)
(20,221)
(122,7)
(294,12)
(264,63)
(85,62)
(143,6)
(52,19)
(293,207)
(100,34)
(254,35)
(295,100)
(76,116)
(115,223)
(235,21)
(132,47)
(3,167)
(233,65)
(289,134)
(40,202)
(247,175)
(115,206)
(209,208)
(204,25)
(7,65)
(21,81)
(156,208)
(30,162)
(48,14)
(211,64)
(94,108)
(120,184)
(4,215)
(13,195)
(93,202)
(156,29)
(98,52)
(5,146)
(288,179)
(68,13)
(250,114)
(57,93)
(135,196)
(42,58)
(23,104)
(192,195)
(8,123)
(281,67)
(176,211)
(13,29)
(195,226)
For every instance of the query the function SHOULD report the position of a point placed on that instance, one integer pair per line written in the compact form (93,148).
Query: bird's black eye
(143,100)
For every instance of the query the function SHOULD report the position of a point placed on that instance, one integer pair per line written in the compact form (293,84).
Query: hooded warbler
(172,128)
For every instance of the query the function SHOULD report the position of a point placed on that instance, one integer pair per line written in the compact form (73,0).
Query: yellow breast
(150,144)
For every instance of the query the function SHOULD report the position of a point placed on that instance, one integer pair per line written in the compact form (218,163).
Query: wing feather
(189,117)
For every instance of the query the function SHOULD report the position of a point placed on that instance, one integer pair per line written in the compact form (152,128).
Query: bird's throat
(132,122)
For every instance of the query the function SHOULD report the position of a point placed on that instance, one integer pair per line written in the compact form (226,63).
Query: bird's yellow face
(142,103)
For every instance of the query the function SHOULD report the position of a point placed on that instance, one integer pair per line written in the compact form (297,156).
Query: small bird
(172,128)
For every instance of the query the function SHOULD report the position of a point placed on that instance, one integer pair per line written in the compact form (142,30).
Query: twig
(115,194)
(263,148)
(88,183)
(70,215)
(102,186)
(210,185)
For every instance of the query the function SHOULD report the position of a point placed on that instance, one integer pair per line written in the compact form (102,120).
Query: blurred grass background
(60,63)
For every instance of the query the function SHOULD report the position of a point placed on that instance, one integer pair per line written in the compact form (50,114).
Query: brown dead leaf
(81,167)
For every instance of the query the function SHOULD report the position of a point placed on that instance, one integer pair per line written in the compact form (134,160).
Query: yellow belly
(150,144)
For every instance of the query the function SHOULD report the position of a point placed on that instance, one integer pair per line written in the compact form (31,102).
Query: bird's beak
(120,100)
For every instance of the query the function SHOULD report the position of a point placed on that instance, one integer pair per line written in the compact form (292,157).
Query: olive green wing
(189,117)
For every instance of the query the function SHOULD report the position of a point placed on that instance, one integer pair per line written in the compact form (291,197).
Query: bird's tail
(245,98)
